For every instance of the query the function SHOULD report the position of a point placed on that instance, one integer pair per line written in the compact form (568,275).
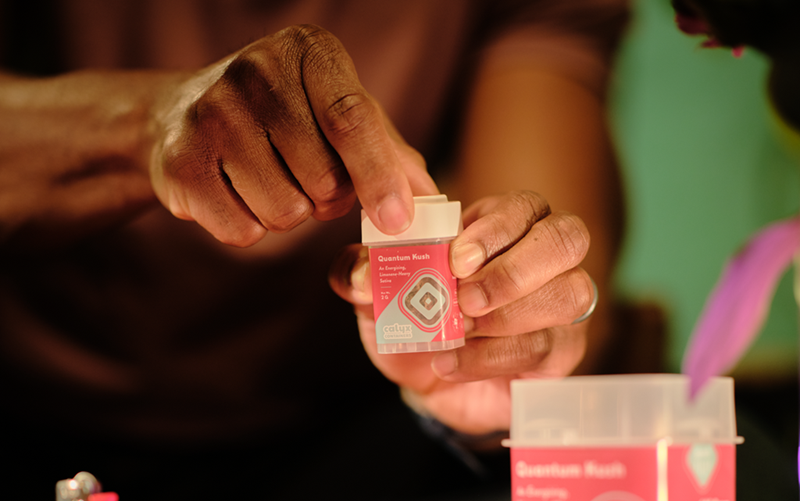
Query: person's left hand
(520,289)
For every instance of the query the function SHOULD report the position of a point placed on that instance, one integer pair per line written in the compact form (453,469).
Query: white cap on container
(434,218)
(620,410)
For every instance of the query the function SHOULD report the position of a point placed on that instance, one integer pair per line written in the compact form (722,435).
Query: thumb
(349,275)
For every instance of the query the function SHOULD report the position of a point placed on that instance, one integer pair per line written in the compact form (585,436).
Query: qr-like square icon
(427,300)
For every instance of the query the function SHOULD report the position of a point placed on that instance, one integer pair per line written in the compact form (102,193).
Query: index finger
(520,247)
(353,123)
(491,226)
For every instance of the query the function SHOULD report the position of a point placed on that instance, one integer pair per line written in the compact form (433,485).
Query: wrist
(76,146)
(441,431)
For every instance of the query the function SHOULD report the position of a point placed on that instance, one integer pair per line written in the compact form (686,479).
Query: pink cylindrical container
(414,291)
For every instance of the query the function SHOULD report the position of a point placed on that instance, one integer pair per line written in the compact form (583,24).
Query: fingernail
(394,216)
(362,291)
(467,258)
(445,364)
(471,298)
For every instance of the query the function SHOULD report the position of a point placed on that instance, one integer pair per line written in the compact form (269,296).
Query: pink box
(622,438)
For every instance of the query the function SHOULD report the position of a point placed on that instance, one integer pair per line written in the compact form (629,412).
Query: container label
(703,471)
(578,474)
(696,472)
(414,294)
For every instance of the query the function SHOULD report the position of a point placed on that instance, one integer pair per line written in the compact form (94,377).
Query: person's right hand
(279,132)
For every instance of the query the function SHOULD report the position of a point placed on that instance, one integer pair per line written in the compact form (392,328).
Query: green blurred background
(706,164)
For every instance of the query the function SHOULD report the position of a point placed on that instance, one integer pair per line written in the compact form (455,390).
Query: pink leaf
(738,306)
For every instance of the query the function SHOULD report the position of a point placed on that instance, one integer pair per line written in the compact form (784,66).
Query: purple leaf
(738,306)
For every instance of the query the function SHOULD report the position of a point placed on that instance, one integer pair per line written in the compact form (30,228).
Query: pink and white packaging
(622,438)
(414,291)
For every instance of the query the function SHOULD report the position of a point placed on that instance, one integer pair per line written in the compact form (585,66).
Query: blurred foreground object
(83,487)
(739,304)
(769,26)
(622,437)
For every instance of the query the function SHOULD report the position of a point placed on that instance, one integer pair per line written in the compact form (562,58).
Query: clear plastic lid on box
(620,410)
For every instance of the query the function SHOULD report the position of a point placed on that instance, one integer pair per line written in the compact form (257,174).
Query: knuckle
(520,211)
(288,215)
(248,77)
(570,237)
(536,345)
(264,79)
(288,50)
(308,37)
(256,90)
(511,274)
(502,232)
(312,48)
(244,69)
(207,108)
(502,353)
(577,294)
(530,205)
(500,321)
(349,113)
(331,186)
(317,52)
(523,350)
(214,114)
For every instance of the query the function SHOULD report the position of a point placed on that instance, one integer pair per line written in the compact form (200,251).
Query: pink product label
(624,473)
(705,472)
(414,294)
(619,474)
